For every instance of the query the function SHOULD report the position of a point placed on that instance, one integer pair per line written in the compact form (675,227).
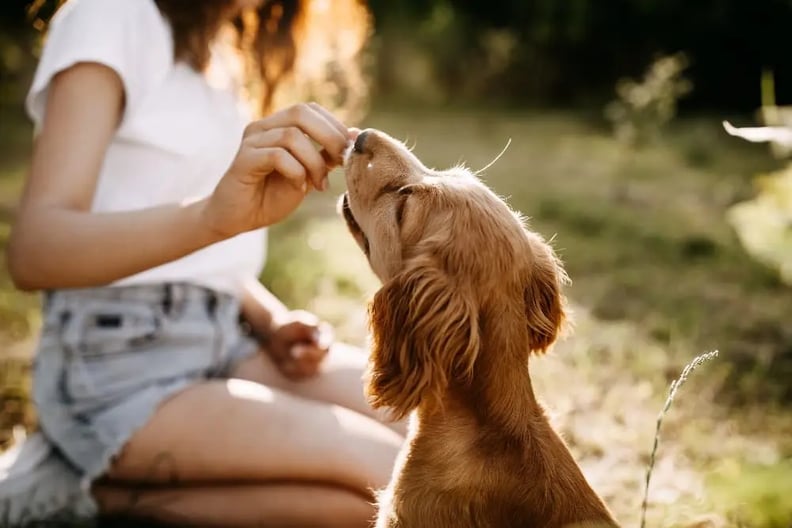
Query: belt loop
(211,303)
(47,301)
(167,298)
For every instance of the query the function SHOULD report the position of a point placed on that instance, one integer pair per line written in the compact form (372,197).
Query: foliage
(644,107)
(575,50)
(764,490)
(764,222)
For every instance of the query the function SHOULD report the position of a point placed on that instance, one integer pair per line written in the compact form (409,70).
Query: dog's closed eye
(404,193)
(401,192)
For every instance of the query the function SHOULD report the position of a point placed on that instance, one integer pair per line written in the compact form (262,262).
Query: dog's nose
(360,142)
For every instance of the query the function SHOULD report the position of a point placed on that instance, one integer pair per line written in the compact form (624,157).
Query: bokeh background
(677,235)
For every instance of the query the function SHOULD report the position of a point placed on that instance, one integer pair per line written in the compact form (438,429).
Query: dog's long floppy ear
(424,332)
(544,300)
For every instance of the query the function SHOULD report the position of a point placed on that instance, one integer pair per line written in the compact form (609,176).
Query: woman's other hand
(280,158)
(298,344)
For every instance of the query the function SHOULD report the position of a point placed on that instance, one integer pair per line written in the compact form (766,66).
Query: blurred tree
(579,48)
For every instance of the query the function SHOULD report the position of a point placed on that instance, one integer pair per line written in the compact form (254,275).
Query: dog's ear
(424,332)
(544,300)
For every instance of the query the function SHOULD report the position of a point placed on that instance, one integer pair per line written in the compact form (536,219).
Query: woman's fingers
(309,121)
(299,146)
(304,360)
(325,336)
(307,354)
(280,160)
(333,120)
(349,133)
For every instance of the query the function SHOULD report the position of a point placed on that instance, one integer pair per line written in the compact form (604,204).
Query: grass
(675,386)
(658,277)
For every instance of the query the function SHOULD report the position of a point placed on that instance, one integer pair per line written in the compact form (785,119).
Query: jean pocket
(106,344)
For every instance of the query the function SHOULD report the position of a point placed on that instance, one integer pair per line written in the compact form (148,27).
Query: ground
(658,277)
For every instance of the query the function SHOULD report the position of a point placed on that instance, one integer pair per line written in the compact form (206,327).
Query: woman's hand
(277,163)
(298,343)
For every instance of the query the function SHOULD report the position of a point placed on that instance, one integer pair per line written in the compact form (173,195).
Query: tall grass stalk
(672,391)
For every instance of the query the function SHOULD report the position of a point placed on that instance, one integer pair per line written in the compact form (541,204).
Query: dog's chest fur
(447,476)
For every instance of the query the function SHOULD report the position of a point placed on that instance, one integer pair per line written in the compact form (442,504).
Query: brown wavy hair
(306,49)
(292,49)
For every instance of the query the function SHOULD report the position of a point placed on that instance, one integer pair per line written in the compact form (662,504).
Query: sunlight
(249,390)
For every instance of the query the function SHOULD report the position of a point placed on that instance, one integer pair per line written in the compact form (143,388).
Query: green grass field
(658,277)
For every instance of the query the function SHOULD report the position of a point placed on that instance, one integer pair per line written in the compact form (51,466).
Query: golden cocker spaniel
(468,293)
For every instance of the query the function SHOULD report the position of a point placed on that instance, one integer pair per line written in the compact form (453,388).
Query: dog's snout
(360,142)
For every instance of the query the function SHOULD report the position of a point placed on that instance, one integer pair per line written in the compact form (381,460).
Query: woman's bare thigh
(241,431)
(339,382)
(263,505)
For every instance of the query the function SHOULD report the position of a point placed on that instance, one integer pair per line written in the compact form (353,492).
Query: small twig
(675,385)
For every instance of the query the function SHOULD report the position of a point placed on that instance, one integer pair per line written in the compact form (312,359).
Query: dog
(468,293)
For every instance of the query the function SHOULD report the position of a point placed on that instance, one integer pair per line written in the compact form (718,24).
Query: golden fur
(468,292)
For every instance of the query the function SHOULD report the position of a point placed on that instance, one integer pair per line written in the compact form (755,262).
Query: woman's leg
(339,382)
(263,505)
(237,431)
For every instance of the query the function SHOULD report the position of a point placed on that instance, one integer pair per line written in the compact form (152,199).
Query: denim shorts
(107,357)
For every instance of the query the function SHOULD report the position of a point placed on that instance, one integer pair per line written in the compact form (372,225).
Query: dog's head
(452,258)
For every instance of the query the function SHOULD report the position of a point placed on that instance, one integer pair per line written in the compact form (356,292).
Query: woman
(143,219)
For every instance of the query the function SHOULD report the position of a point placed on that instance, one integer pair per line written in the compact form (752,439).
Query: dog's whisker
(493,162)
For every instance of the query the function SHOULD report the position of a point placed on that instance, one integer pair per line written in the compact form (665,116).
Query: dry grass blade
(675,385)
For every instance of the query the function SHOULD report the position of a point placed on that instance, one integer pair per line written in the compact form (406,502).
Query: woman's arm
(55,243)
(58,243)
(296,341)
(260,308)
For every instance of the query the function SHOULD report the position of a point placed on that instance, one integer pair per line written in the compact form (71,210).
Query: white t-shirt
(179,132)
